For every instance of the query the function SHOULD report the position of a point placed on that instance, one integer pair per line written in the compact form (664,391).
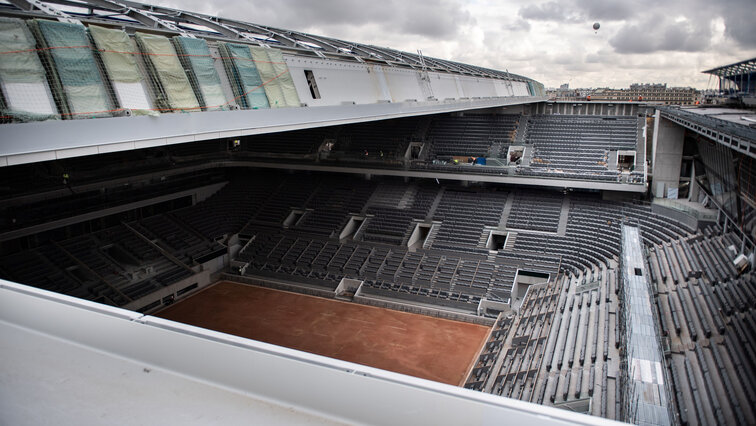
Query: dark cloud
(551,11)
(741,29)
(609,10)
(740,22)
(428,18)
(580,11)
(648,25)
(432,19)
(660,34)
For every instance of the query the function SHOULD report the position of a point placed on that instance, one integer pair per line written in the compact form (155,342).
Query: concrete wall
(677,215)
(666,156)
(202,279)
(280,285)
(422,310)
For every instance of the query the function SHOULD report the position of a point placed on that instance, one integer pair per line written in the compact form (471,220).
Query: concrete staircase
(494,151)
(484,235)
(408,198)
(562,227)
(511,238)
(519,138)
(431,235)
(421,131)
(436,202)
(527,155)
(361,232)
(505,211)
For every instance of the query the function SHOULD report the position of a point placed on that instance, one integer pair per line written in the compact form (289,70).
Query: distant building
(564,93)
(649,93)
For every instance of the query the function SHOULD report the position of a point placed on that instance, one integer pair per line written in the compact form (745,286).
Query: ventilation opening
(638,272)
(293,217)
(149,307)
(312,84)
(419,235)
(351,228)
(514,155)
(347,288)
(187,289)
(523,281)
(413,151)
(497,240)
(626,161)
(327,146)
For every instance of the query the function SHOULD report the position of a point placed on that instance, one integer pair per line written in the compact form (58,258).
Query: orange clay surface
(417,345)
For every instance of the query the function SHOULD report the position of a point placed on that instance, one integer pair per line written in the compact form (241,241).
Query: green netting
(200,65)
(25,95)
(117,51)
(173,84)
(285,81)
(268,75)
(246,79)
(76,68)
(19,63)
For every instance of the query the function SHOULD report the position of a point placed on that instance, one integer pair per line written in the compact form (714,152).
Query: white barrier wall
(337,82)
(340,82)
(404,84)
(520,88)
(445,86)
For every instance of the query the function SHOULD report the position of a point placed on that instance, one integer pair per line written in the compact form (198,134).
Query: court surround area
(430,348)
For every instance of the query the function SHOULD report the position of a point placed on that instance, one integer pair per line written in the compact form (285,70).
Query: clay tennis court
(413,344)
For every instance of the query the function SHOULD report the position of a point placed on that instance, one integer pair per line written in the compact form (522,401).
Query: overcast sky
(661,41)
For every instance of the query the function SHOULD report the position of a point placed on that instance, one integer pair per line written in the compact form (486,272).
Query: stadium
(206,220)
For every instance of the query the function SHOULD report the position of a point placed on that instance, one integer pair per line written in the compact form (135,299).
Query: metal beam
(330,44)
(275,35)
(143,16)
(30,5)
(222,28)
(228,27)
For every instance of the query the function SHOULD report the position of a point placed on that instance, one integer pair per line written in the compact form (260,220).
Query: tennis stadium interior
(604,249)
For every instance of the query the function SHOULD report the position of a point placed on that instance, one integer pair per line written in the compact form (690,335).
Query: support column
(667,155)
(693,191)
